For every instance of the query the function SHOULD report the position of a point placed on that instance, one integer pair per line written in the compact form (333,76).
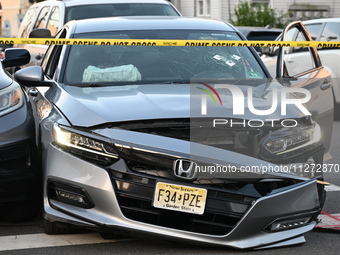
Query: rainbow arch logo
(212,93)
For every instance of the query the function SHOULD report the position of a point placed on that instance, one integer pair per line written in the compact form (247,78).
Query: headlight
(11,99)
(289,140)
(86,147)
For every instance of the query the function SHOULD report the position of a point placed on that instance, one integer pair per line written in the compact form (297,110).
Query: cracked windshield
(93,65)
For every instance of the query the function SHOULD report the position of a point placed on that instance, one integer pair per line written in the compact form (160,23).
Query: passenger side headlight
(11,99)
(86,147)
(290,140)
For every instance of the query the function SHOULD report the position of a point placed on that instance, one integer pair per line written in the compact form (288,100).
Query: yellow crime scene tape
(150,42)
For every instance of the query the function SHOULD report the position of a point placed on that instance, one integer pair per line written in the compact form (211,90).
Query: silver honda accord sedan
(196,143)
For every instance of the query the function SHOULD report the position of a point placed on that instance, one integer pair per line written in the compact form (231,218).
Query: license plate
(179,198)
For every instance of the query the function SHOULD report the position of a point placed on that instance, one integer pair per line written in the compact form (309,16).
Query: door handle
(326,84)
(290,60)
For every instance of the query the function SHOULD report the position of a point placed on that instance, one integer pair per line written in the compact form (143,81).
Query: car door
(330,56)
(36,49)
(306,71)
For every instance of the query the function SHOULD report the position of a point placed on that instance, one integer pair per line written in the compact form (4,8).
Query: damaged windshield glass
(93,64)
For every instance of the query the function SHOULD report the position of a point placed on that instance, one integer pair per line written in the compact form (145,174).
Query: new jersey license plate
(179,198)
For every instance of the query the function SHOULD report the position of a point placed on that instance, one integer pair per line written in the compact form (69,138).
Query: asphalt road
(28,237)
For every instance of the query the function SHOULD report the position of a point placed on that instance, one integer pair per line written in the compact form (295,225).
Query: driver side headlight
(11,99)
(85,146)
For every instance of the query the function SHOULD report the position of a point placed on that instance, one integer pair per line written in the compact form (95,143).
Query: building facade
(12,11)
(11,14)
(224,9)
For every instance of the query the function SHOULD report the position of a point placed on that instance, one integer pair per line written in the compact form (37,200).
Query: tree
(258,15)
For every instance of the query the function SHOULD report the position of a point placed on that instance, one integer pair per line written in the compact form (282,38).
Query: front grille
(238,138)
(224,208)
(14,158)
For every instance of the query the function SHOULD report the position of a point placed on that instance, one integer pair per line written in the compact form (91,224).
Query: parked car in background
(326,30)
(20,172)
(136,143)
(260,34)
(54,14)
(3,47)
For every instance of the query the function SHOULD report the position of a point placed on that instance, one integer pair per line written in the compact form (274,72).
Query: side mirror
(40,33)
(32,76)
(16,57)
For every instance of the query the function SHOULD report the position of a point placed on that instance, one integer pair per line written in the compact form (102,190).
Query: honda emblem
(185,169)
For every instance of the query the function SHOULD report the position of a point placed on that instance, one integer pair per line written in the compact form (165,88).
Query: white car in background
(320,30)
(44,19)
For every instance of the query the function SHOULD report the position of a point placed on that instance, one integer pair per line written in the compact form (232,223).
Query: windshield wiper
(103,84)
(174,82)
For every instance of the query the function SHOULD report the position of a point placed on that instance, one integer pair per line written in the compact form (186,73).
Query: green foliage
(258,15)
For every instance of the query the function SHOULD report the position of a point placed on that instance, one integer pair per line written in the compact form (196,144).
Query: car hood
(93,106)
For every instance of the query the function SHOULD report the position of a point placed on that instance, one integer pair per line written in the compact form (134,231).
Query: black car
(19,168)
(260,34)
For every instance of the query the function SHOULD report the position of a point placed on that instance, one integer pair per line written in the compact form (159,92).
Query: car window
(52,57)
(290,36)
(53,21)
(308,63)
(331,32)
(27,22)
(314,30)
(263,36)
(92,63)
(299,38)
(42,18)
(113,10)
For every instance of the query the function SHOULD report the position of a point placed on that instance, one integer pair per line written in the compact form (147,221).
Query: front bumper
(122,201)
(19,170)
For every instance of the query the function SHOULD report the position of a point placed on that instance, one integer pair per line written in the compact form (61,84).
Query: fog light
(288,224)
(70,196)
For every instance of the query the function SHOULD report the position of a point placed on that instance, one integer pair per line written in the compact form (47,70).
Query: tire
(57,228)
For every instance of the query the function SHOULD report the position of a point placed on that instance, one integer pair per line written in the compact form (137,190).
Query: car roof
(146,23)
(321,20)
(86,2)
